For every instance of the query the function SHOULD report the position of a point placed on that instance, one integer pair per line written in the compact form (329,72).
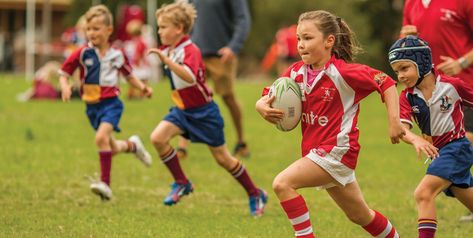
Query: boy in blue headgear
(435,102)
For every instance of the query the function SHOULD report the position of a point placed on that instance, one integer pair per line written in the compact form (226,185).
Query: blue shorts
(108,110)
(453,164)
(202,125)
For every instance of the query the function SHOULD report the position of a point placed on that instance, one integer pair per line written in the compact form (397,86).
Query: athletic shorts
(468,118)
(222,74)
(201,125)
(108,110)
(453,164)
(340,172)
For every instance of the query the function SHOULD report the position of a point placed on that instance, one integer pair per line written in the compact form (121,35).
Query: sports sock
(427,228)
(131,147)
(172,162)
(105,165)
(298,214)
(381,227)
(241,175)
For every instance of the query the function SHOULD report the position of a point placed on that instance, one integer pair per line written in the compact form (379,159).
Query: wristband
(463,63)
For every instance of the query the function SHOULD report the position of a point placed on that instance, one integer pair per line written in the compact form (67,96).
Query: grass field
(47,147)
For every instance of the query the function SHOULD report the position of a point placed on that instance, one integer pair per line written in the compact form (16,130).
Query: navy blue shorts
(453,164)
(202,125)
(109,110)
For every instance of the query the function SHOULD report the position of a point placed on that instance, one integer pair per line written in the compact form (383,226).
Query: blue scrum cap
(414,49)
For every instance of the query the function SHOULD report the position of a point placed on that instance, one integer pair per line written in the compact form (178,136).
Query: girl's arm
(173,66)
(133,81)
(420,144)
(396,130)
(263,107)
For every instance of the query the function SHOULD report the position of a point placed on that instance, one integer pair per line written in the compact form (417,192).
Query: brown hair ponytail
(346,45)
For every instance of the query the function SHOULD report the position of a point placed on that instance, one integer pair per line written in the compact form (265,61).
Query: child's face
(98,32)
(169,33)
(406,73)
(311,44)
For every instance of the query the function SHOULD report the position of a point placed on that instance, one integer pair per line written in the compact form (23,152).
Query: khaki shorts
(222,74)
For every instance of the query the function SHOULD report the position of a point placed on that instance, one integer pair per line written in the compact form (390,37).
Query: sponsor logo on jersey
(311,118)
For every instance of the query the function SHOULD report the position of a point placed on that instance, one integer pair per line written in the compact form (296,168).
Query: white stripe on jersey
(109,65)
(347,96)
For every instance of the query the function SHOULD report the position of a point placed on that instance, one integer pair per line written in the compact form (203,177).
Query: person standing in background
(448,27)
(220,30)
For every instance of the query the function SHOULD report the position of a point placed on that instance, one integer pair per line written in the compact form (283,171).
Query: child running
(195,116)
(99,68)
(332,89)
(436,103)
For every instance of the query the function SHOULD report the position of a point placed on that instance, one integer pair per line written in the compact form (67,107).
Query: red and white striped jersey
(330,106)
(441,117)
(188,95)
(99,75)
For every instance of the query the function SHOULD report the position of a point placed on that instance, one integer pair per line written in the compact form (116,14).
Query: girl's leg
(102,141)
(351,201)
(225,159)
(302,173)
(160,138)
(429,187)
(464,195)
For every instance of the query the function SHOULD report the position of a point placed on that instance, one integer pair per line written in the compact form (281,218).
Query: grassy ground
(47,147)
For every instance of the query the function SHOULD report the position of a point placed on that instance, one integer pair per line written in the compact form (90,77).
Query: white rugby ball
(288,99)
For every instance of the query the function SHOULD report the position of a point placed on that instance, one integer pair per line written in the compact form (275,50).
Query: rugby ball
(288,99)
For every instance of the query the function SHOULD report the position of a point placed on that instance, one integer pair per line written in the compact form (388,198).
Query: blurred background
(33,32)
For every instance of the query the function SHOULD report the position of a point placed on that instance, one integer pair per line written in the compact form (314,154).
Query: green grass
(47,147)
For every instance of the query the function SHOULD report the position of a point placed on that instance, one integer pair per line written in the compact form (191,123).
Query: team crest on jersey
(415,109)
(446,104)
(380,77)
(328,94)
(448,15)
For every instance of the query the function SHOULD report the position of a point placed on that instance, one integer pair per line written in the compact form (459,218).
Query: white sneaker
(102,189)
(468,217)
(141,152)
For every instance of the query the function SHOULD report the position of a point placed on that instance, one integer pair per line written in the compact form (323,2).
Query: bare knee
(280,185)
(422,195)
(158,141)
(101,140)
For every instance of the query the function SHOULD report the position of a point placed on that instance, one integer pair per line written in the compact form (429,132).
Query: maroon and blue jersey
(99,74)
(330,106)
(184,94)
(441,117)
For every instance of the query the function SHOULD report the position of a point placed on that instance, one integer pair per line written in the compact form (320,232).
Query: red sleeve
(465,91)
(125,68)
(71,63)
(365,80)
(405,109)
(192,60)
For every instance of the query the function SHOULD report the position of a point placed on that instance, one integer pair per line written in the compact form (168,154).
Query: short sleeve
(124,65)
(366,80)
(405,109)
(71,63)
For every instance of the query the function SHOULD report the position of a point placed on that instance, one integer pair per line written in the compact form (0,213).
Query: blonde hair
(99,11)
(179,13)
(346,46)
